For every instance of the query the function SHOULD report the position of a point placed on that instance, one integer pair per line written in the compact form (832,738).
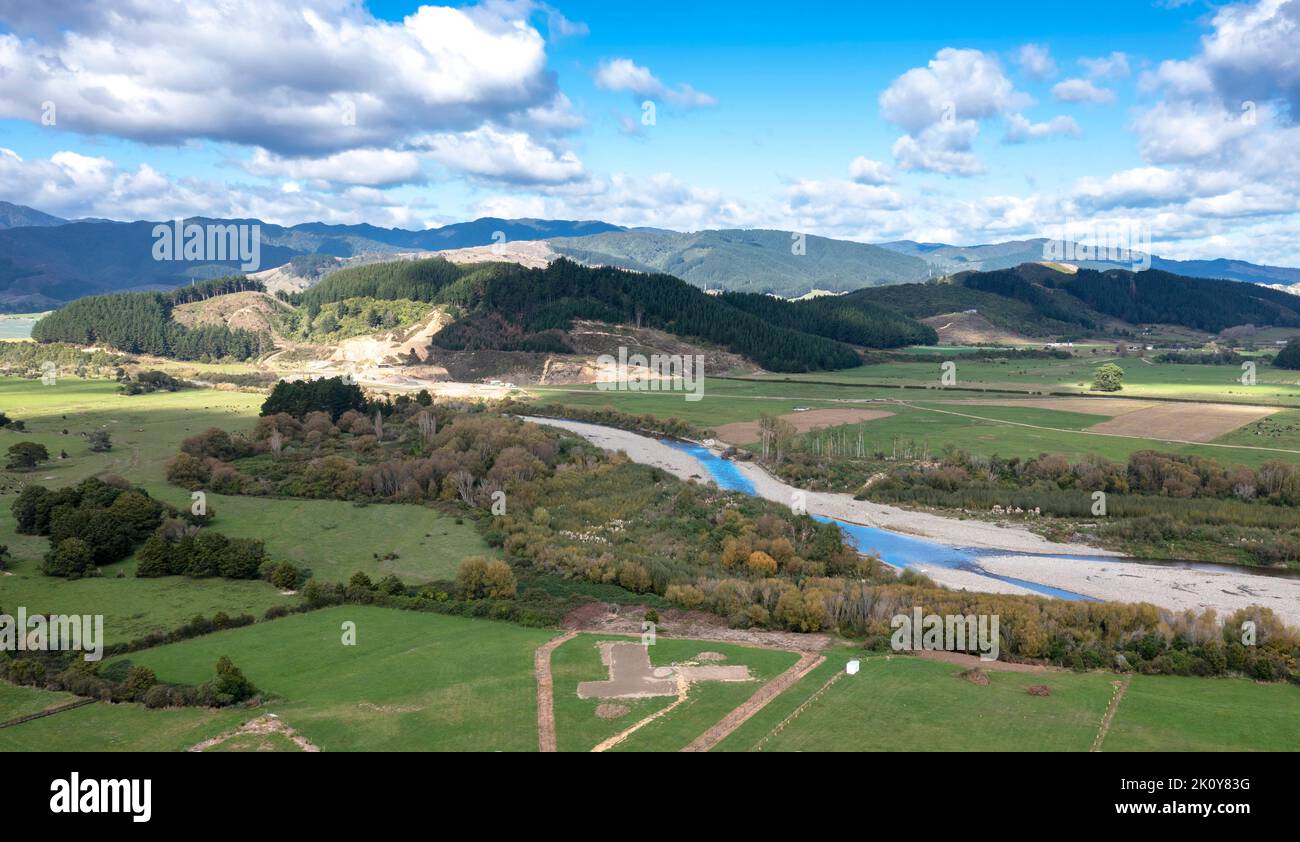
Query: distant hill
(748,260)
(43,267)
(986,258)
(21,216)
(1037,301)
(508,307)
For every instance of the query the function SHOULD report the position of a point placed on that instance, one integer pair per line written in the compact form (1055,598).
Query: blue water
(895,549)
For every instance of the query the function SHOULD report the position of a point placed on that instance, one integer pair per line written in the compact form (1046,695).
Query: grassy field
(412,682)
(909,704)
(1173,713)
(335,539)
(107,727)
(146,430)
(928,417)
(1142,378)
(579,729)
(23,701)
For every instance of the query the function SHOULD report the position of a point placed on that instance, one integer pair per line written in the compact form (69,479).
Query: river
(892,548)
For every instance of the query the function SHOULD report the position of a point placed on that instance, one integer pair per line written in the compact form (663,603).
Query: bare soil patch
(1185,422)
(744,432)
(630,675)
(1038,690)
(971,662)
(611,618)
(972,329)
(607,710)
(975,676)
(267,724)
(710,656)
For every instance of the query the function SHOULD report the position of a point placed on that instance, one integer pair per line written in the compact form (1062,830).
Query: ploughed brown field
(744,432)
(1201,422)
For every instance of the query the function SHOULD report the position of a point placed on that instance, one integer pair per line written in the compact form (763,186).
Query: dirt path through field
(1121,687)
(807,662)
(807,703)
(268,724)
(682,687)
(1095,432)
(546,691)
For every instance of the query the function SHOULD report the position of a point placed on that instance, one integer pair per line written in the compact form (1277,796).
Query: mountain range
(46,261)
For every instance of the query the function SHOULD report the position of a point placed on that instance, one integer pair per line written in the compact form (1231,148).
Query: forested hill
(141,323)
(843,318)
(1202,303)
(1036,300)
(750,260)
(509,307)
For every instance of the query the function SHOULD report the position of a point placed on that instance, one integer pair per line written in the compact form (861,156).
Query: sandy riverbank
(1112,581)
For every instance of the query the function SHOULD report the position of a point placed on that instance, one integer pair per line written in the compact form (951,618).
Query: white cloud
(955,85)
(623,74)
(1035,61)
(1184,132)
(939,107)
(1020,128)
(1113,66)
(372,167)
(313,77)
(72,185)
(1081,90)
(941,148)
(508,156)
(866,171)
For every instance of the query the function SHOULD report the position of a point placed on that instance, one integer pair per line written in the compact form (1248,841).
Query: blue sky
(958,122)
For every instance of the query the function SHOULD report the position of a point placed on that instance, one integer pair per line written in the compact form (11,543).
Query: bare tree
(465,484)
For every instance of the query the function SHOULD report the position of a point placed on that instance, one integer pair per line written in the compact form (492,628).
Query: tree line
(141,323)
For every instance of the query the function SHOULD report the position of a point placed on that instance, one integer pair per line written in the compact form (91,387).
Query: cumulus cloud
(1113,66)
(303,78)
(866,171)
(1081,90)
(954,85)
(508,156)
(73,185)
(939,107)
(1036,61)
(623,74)
(371,167)
(941,148)
(1020,128)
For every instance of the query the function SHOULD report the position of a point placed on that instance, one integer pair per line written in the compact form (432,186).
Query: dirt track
(546,691)
(807,662)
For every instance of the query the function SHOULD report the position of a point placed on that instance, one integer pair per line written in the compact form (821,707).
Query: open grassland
(935,418)
(146,430)
(910,704)
(334,539)
(131,607)
(1142,378)
(108,727)
(23,701)
(1173,713)
(413,681)
(578,728)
